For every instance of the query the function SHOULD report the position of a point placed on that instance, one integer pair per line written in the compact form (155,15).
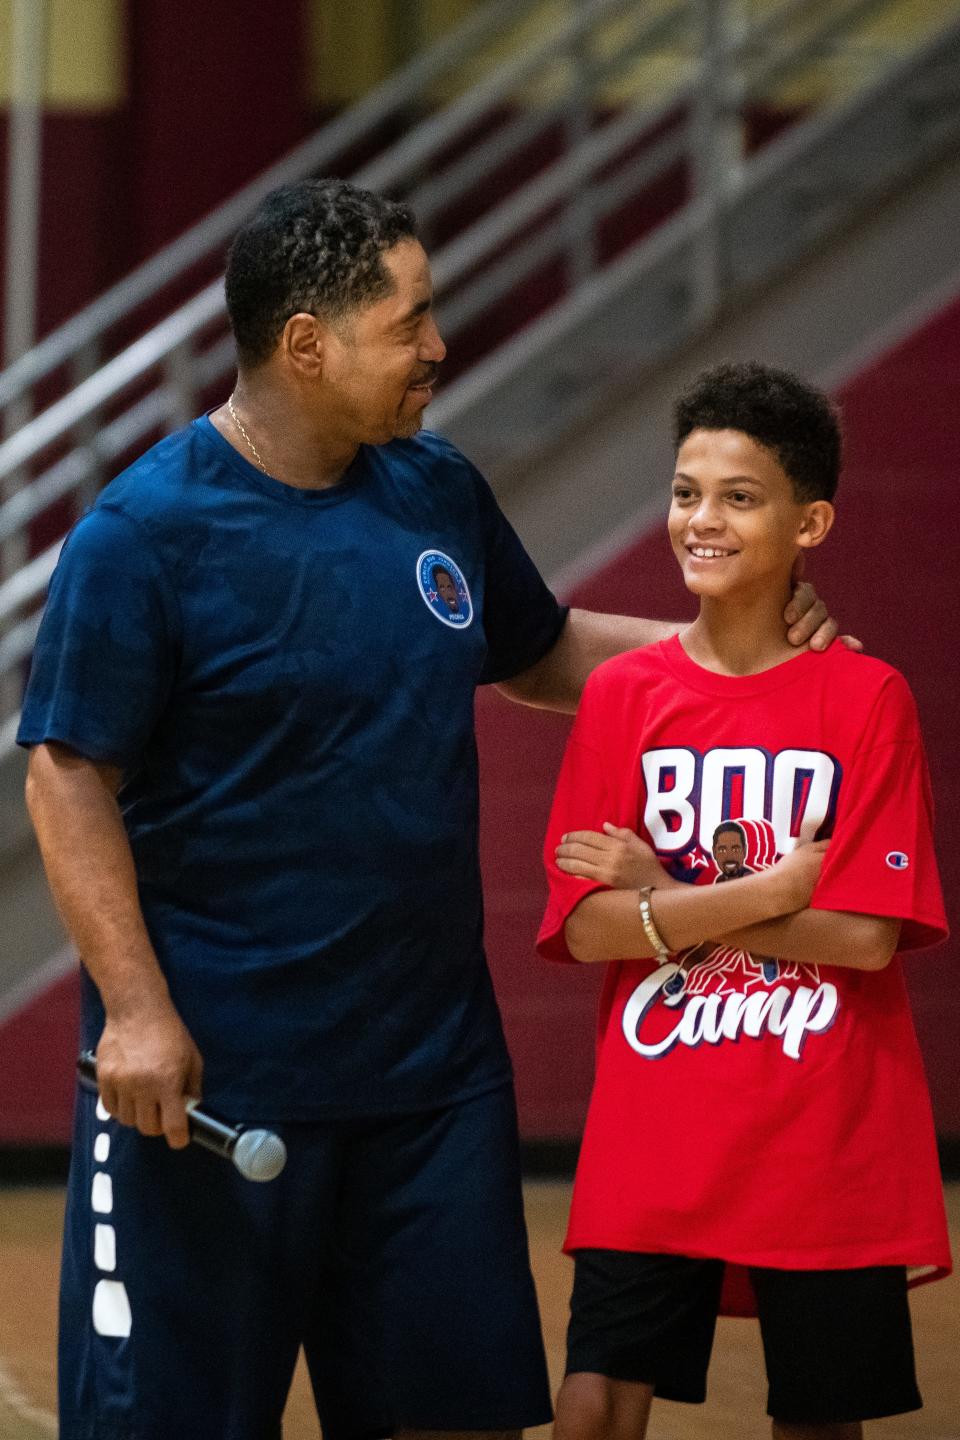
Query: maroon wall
(217,93)
(888,573)
(214,94)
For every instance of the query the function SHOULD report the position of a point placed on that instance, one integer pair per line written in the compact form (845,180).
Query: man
(261,829)
(729,851)
(446,587)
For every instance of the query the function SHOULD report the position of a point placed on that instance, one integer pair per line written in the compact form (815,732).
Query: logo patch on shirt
(444,590)
(897,860)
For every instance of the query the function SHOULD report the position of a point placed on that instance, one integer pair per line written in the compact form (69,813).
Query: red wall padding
(38,1047)
(889,573)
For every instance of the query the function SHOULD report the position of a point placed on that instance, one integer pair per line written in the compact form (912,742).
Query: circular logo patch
(897,860)
(444,590)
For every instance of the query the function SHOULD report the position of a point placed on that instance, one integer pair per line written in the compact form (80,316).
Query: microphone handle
(205,1129)
(211,1133)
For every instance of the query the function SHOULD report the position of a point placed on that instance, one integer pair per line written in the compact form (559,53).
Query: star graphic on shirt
(687,867)
(742,965)
(432,595)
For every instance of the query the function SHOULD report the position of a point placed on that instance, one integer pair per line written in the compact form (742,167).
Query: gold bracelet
(649,928)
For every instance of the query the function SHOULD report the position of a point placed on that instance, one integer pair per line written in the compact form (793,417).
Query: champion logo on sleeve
(897,860)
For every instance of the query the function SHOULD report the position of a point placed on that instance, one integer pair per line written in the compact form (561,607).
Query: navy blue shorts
(393,1250)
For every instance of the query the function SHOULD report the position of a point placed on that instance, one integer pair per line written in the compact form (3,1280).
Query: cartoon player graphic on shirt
(446,587)
(709,967)
(729,851)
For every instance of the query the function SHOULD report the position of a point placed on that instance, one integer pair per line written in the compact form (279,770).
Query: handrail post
(24,159)
(28,55)
(579,217)
(716,140)
(85,363)
(178,372)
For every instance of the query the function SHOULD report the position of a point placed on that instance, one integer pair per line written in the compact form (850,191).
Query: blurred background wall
(766,197)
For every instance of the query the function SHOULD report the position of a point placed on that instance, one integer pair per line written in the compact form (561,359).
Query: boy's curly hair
(794,420)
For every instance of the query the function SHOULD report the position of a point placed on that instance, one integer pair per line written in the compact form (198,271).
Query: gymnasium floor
(29,1237)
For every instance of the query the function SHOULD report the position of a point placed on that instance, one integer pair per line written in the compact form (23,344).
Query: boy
(764,1125)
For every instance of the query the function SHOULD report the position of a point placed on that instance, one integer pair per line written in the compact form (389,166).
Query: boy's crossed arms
(763,912)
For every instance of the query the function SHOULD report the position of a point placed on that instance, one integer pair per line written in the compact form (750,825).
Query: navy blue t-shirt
(286,678)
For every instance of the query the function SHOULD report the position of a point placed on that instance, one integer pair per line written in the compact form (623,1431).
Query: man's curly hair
(795,421)
(316,246)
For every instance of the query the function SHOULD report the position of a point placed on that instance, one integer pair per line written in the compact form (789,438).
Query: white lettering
(802,780)
(746,764)
(812,1012)
(795,790)
(732,1017)
(711,1019)
(637,1006)
(762,1008)
(670,777)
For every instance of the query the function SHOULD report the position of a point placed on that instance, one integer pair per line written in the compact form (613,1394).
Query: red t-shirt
(761,1112)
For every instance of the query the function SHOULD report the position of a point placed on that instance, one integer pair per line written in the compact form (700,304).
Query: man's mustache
(429,376)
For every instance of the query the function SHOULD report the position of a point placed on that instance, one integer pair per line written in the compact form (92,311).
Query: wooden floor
(29,1238)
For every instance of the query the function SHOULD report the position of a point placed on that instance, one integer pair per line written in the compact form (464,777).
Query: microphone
(257,1154)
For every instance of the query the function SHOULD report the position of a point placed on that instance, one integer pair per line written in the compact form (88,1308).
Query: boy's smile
(735,522)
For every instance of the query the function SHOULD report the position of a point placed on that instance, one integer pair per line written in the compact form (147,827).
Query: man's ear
(815,524)
(302,343)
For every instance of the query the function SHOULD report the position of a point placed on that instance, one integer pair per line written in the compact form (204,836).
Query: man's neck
(742,635)
(282,438)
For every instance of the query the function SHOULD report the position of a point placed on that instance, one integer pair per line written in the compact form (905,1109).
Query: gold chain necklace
(250,445)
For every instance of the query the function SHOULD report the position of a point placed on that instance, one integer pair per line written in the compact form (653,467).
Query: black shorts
(837,1343)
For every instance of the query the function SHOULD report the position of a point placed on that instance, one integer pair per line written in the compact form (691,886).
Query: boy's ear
(815,524)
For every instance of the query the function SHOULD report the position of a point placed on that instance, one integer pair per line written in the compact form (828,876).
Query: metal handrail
(113,377)
(451,261)
(407,86)
(86,398)
(419,146)
(642,260)
(179,332)
(404,88)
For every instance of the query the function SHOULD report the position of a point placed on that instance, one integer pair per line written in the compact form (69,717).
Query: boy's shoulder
(868,681)
(616,686)
(840,667)
(857,693)
(617,693)
(866,669)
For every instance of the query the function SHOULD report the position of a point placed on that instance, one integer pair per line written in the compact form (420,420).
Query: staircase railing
(686,130)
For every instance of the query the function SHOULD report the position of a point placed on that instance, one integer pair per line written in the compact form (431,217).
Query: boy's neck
(740,635)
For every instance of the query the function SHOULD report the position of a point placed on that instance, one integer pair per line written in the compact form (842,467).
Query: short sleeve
(881,859)
(521,617)
(105,657)
(581,802)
